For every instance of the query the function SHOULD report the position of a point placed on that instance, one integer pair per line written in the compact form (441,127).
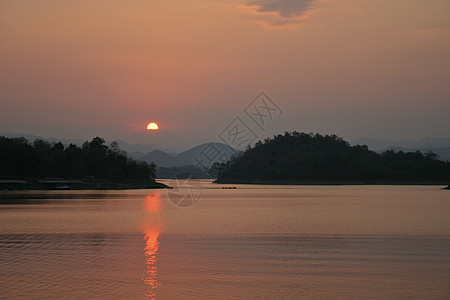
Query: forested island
(300,158)
(94,165)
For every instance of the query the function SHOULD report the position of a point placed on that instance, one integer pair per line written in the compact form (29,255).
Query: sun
(152,126)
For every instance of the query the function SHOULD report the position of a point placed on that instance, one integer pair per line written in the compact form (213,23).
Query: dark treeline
(20,158)
(314,157)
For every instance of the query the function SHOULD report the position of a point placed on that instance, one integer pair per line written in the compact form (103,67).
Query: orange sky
(356,68)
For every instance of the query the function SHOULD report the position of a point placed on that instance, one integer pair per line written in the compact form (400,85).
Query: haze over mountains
(440,146)
(380,144)
(167,158)
(204,154)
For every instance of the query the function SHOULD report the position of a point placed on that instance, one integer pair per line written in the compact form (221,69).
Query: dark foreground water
(252,242)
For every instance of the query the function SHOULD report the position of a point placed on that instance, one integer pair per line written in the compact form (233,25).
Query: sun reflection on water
(151,256)
(152,230)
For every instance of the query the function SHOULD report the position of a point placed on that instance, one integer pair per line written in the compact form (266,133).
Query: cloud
(284,8)
(281,12)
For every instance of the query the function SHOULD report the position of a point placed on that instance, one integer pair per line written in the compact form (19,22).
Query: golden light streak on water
(151,257)
(152,231)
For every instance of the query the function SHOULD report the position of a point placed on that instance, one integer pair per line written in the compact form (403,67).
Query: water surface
(321,242)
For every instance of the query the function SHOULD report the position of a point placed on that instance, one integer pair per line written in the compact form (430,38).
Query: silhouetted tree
(44,159)
(303,157)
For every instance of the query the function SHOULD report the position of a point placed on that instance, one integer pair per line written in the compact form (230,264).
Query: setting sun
(152,126)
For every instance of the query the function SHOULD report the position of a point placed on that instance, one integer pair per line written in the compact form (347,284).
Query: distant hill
(301,157)
(32,138)
(224,152)
(442,152)
(191,156)
(372,143)
(161,159)
(424,143)
(139,149)
(440,146)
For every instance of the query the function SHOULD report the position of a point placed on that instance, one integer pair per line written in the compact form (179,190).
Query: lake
(202,241)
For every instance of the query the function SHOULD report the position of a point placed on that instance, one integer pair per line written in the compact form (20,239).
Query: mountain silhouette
(301,157)
(206,154)
(161,159)
(424,143)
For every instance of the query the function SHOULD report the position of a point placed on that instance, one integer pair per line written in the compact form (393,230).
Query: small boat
(62,187)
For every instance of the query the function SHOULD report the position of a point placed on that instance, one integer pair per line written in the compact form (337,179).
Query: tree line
(21,158)
(315,157)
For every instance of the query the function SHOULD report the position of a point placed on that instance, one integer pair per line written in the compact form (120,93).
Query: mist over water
(250,242)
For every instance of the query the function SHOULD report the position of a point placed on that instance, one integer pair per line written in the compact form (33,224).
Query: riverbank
(80,184)
(324,182)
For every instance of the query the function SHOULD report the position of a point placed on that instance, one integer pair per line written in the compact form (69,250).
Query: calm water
(268,242)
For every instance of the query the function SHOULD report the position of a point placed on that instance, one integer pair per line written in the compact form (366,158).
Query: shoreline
(79,185)
(324,182)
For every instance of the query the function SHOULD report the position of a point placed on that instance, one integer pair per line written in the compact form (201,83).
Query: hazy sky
(356,68)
